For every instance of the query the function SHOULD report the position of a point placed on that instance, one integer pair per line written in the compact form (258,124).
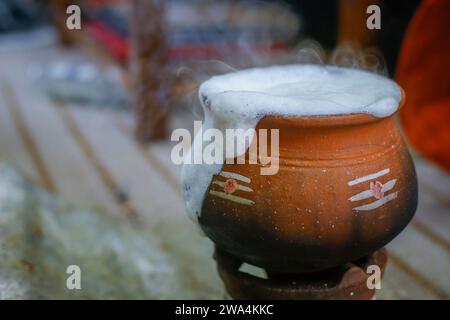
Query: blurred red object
(423,71)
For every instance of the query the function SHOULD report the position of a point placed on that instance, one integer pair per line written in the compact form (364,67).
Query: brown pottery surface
(346,186)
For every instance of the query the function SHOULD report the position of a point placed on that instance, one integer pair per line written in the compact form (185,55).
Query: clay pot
(422,71)
(346,186)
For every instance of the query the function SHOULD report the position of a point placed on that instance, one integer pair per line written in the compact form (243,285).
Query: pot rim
(326,121)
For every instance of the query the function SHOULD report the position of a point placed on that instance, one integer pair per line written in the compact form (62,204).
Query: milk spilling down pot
(345,184)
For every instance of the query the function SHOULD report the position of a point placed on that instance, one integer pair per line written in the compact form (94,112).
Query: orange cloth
(423,71)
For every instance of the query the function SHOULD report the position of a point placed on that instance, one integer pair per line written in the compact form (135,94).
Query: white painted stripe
(233,175)
(369,177)
(369,193)
(239,187)
(230,197)
(377,203)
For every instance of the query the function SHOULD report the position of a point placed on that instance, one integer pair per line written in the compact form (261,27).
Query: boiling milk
(240,99)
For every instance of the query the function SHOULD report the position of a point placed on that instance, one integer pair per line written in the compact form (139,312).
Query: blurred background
(86,115)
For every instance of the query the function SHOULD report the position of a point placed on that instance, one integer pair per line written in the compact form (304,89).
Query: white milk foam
(240,99)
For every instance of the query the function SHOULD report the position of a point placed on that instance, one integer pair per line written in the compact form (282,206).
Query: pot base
(348,282)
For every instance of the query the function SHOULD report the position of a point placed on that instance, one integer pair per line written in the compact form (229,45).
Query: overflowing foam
(238,100)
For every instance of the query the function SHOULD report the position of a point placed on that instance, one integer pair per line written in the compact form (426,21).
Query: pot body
(346,186)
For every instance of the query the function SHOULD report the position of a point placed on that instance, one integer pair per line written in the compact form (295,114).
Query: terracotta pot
(346,186)
(423,72)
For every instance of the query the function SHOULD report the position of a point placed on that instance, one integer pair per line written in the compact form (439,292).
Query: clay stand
(348,282)
(148,69)
(352,24)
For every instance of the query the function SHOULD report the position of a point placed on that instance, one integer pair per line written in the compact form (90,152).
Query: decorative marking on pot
(369,177)
(370,193)
(376,190)
(232,175)
(378,203)
(238,187)
(230,186)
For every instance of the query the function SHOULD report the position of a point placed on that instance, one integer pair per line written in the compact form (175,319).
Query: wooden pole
(148,69)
